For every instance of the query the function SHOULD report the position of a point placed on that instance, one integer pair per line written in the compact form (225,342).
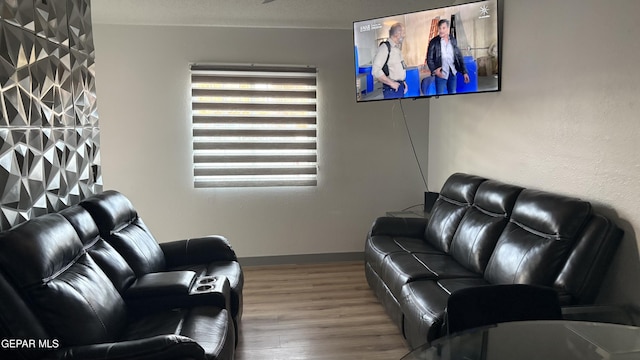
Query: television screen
(444,51)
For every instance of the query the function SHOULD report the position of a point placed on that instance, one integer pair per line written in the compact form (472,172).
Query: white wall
(566,119)
(365,163)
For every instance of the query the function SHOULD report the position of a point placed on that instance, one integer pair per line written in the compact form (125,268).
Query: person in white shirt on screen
(389,66)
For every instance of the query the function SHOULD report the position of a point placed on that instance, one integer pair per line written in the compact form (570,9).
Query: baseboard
(300,259)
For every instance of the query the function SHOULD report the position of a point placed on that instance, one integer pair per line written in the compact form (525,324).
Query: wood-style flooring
(322,311)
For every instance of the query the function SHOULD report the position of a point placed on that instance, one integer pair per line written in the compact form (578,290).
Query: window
(253,126)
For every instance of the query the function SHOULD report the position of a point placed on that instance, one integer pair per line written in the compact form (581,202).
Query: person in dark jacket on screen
(444,60)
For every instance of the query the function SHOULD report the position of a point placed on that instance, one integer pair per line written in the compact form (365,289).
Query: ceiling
(323,14)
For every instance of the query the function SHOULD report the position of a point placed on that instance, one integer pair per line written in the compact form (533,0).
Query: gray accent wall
(49,134)
(566,120)
(365,163)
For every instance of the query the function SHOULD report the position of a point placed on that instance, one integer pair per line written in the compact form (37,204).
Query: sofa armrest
(394,226)
(197,251)
(161,284)
(205,291)
(163,347)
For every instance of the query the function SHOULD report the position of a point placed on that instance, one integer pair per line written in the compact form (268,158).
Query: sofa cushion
(68,291)
(210,327)
(452,285)
(423,304)
(479,229)
(110,261)
(402,268)
(455,198)
(388,300)
(416,245)
(444,267)
(378,247)
(81,305)
(121,227)
(538,238)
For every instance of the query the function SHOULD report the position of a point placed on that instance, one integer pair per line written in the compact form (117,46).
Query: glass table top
(566,340)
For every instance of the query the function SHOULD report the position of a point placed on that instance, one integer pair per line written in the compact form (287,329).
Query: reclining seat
(17,321)
(77,305)
(108,259)
(152,291)
(531,249)
(469,252)
(403,238)
(122,228)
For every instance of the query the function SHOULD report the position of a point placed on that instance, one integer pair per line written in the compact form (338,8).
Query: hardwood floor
(323,311)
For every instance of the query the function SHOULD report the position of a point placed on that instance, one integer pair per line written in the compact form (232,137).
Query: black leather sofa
(483,232)
(91,282)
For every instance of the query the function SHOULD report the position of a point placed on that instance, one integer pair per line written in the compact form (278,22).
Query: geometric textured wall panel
(51,21)
(49,134)
(18,12)
(80,34)
(52,83)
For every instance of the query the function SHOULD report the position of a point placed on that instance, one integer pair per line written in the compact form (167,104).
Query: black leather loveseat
(483,232)
(91,282)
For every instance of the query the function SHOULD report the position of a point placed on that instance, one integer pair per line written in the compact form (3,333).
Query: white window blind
(254,126)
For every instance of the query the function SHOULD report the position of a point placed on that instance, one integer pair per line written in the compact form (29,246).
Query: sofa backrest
(455,199)
(538,239)
(120,226)
(67,290)
(110,261)
(17,321)
(481,226)
(583,272)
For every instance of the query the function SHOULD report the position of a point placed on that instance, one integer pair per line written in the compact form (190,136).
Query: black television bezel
(500,40)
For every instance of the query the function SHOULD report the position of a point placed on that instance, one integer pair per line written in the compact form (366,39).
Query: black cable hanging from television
(415,154)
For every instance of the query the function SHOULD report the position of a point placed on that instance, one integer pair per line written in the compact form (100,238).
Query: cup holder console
(204,284)
(207,279)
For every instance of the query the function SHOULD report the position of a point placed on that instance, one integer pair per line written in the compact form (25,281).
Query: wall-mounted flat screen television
(444,51)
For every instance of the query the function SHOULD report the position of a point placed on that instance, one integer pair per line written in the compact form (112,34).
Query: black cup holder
(207,280)
(202,288)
